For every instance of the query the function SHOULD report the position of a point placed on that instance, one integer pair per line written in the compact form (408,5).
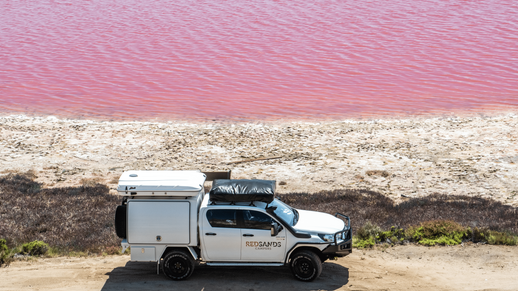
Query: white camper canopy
(161,183)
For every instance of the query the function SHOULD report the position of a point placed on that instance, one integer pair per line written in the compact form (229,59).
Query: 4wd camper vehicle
(166,217)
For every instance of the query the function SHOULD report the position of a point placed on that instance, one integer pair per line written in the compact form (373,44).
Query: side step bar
(245,264)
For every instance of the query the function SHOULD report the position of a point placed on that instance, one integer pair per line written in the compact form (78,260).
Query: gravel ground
(400,158)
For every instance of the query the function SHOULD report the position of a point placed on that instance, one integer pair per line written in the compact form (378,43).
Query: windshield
(286,213)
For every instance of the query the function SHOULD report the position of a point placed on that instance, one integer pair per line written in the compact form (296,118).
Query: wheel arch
(308,247)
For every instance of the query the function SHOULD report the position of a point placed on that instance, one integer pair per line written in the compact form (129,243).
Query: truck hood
(317,222)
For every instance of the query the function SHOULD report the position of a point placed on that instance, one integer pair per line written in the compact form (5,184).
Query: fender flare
(191,250)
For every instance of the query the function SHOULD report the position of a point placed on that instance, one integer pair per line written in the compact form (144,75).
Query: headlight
(340,237)
(327,237)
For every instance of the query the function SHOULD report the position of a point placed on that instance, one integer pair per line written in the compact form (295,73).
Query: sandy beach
(400,158)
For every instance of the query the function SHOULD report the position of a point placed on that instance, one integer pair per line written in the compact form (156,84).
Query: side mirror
(275,228)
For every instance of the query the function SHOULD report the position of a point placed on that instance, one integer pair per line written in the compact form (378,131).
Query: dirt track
(399,268)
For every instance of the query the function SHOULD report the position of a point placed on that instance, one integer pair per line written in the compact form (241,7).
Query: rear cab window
(222,218)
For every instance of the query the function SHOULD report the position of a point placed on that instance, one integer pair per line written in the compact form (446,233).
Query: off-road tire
(177,265)
(120,221)
(305,265)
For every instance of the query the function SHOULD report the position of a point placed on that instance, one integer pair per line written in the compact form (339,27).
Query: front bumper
(343,244)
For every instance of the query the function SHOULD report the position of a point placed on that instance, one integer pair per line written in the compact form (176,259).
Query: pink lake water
(257,59)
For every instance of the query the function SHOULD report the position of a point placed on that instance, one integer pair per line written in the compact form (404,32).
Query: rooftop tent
(224,190)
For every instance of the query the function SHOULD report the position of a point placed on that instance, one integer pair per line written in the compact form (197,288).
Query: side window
(222,217)
(257,220)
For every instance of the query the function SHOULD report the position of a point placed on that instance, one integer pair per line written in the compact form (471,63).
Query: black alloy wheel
(177,265)
(306,265)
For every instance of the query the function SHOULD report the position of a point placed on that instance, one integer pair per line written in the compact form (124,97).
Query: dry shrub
(113,250)
(82,218)
(71,218)
(368,230)
(364,205)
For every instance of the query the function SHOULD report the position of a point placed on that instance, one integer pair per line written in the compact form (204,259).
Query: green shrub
(493,237)
(363,243)
(501,238)
(4,252)
(442,232)
(394,235)
(35,248)
(365,235)
(480,234)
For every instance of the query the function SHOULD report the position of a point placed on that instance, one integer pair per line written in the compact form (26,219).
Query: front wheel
(306,265)
(178,265)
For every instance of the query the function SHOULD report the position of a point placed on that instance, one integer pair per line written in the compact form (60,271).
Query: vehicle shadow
(142,276)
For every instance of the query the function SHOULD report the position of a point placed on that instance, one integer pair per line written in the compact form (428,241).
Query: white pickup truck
(166,217)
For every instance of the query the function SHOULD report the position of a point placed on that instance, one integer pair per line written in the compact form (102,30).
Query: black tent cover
(224,190)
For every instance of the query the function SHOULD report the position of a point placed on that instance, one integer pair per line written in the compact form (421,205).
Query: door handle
(247,234)
(210,233)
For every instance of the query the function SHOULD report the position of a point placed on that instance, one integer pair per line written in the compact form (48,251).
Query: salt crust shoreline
(411,157)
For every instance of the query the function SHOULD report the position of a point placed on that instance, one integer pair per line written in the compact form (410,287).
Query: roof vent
(133,175)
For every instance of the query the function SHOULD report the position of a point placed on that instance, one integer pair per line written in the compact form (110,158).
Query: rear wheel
(306,265)
(177,265)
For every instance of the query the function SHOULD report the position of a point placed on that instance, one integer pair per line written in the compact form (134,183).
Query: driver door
(257,243)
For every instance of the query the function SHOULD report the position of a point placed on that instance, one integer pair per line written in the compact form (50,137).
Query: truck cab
(238,223)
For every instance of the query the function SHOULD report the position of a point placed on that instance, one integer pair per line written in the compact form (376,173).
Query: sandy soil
(470,267)
(400,158)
